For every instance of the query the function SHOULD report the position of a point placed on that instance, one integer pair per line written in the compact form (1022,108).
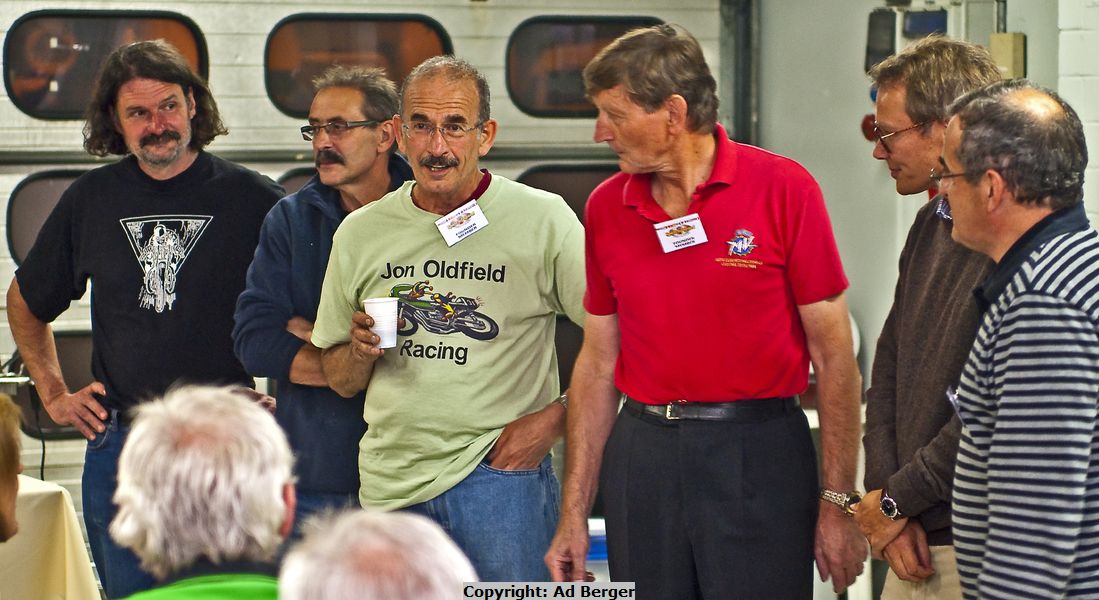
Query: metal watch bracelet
(844,500)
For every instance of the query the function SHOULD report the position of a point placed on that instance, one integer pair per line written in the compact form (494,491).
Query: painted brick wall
(1079,82)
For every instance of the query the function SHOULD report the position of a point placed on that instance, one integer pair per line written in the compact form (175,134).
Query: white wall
(1037,19)
(1079,82)
(814,94)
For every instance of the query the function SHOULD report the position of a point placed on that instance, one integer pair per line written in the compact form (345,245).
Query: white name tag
(461,223)
(680,233)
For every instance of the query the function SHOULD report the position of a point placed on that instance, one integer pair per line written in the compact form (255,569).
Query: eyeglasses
(937,178)
(881,137)
(423,131)
(333,128)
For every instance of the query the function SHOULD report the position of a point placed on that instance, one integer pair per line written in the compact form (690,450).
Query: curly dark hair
(157,60)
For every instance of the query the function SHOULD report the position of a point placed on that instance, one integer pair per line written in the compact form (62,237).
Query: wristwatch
(846,501)
(889,507)
(563,400)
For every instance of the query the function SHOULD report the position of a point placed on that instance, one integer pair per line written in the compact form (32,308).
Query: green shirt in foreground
(478,348)
(215,587)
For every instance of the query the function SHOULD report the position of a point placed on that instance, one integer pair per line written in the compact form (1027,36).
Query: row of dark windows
(34,197)
(51,56)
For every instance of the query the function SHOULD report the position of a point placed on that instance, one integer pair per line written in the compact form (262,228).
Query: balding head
(1027,134)
(374,556)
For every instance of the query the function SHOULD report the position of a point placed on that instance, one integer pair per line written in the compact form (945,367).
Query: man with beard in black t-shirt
(165,236)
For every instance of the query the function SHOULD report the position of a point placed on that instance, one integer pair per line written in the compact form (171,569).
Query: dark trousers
(712,510)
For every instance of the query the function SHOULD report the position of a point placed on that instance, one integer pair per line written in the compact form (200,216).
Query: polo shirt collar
(637,192)
(1057,223)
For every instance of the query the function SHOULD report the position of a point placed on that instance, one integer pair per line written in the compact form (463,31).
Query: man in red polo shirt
(713,282)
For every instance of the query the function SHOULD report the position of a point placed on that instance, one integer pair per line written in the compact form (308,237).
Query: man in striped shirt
(1026,507)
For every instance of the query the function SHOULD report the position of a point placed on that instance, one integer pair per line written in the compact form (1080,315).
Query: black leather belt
(741,410)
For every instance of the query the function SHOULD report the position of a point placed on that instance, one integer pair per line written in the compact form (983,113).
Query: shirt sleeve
(813,263)
(1040,451)
(338,300)
(50,278)
(568,268)
(880,439)
(599,298)
(260,338)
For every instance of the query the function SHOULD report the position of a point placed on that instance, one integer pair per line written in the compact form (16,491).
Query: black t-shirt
(166,260)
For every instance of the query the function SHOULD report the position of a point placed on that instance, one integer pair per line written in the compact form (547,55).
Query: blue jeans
(503,520)
(312,503)
(119,569)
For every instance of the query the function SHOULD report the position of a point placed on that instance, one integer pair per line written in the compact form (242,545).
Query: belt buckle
(668,410)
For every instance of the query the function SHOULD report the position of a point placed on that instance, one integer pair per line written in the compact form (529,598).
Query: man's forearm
(306,368)
(34,339)
(593,407)
(346,373)
(838,409)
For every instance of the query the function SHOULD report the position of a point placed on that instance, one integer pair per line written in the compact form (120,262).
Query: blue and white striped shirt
(1026,486)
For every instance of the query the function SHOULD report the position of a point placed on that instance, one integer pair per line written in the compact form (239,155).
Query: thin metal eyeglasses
(881,137)
(422,130)
(937,178)
(333,128)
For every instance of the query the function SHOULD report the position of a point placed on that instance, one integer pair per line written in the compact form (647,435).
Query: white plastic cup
(384,313)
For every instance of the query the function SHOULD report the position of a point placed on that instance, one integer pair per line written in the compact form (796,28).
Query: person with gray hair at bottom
(370,555)
(205,495)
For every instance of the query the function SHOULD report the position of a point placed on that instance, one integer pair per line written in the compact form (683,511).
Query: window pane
(31,202)
(574,183)
(546,55)
(51,57)
(301,47)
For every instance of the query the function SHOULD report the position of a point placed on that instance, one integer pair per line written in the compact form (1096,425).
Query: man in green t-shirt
(462,412)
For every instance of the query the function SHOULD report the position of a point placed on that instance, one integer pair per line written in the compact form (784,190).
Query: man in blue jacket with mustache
(352,132)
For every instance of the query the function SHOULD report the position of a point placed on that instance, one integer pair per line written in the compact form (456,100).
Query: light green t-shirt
(478,348)
(214,587)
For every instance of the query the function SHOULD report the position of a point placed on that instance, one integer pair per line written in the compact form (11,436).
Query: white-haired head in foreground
(205,473)
(371,555)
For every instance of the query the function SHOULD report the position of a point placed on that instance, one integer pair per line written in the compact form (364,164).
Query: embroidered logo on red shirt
(742,243)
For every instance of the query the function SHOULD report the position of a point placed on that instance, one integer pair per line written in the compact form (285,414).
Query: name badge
(680,233)
(461,222)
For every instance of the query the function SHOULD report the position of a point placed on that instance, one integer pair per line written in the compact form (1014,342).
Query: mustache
(154,138)
(439,161)
(328,157)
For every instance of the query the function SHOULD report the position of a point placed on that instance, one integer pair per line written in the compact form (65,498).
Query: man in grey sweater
(911,430)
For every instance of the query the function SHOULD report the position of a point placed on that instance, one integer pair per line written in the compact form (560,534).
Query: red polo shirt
(717,321)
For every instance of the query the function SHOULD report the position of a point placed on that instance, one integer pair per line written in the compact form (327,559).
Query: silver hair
(371,555)
(202,475)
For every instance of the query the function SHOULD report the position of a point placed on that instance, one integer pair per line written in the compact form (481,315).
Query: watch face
(889,507)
